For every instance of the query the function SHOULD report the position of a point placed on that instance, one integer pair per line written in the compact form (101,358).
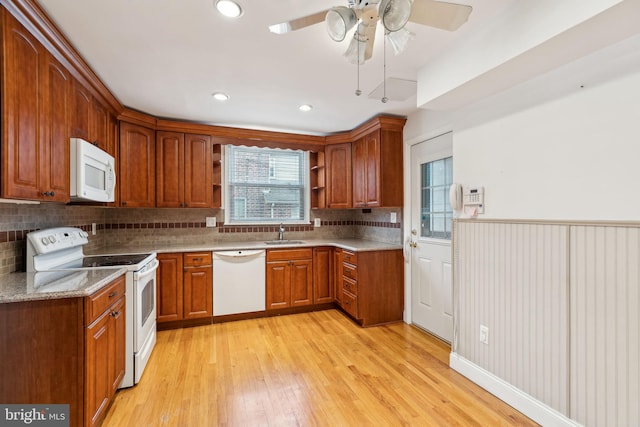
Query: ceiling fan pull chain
(384,69)
(358,91)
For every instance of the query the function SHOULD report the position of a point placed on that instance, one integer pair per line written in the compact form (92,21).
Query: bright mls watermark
(34,415)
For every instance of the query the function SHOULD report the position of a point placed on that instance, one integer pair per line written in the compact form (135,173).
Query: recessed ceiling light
(219,96)
(305,107)
(229,8)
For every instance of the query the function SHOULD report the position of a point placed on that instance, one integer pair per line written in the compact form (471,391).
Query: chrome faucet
(281,232)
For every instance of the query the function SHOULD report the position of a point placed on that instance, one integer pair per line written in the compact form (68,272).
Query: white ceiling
(166,58)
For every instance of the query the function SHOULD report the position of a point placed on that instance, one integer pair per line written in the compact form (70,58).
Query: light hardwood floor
(312,369)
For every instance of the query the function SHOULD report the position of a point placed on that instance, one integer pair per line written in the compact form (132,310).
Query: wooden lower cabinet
(65,351)
(169,292)
(185,286)
(323,275)
(198,285)
(289,278)
(372,286)
(104,367)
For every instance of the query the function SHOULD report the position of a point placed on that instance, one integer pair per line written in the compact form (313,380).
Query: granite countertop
(355,245)
(17,287)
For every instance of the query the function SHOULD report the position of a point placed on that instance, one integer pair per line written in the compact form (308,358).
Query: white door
(431,213)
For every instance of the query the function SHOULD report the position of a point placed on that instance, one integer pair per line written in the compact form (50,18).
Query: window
(266,185)
(436,178)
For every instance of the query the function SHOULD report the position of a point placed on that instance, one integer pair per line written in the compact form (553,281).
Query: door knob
(414,231)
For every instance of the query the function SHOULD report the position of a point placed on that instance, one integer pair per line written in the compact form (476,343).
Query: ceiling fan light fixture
(395,14)
(229,8)
(355,51)
(399,40)
(305,107)
(340,20)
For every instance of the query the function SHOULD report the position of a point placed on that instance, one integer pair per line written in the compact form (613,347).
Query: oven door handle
(149,271)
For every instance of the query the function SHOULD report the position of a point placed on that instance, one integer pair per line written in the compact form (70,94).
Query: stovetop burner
(112,260)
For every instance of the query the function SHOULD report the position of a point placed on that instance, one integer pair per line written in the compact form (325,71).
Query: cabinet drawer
(350,285)
(350,257)
(196,259)
(98,302)
(350,271)
(350,303)
(289,254)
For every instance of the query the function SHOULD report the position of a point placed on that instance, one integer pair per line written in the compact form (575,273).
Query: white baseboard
(532,408)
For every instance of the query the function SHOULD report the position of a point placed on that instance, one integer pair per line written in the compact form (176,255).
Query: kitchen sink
(284,242)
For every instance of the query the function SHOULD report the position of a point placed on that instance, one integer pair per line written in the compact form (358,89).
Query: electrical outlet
(210,221)
(93,228)
(317,222)
(484,334)
(393,218)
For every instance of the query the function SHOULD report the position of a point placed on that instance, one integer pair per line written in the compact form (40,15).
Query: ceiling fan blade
(446,16)
(296,24)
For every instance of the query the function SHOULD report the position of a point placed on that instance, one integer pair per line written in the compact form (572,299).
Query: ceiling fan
(393,14)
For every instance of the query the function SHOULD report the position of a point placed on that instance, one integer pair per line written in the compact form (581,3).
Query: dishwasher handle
(239,254)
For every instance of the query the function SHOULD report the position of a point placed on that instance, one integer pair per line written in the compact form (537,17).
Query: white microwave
(93,176)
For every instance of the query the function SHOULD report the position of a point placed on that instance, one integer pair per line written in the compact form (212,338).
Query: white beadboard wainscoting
(561,303)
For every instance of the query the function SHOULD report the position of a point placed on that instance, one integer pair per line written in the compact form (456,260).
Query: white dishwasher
(238,281)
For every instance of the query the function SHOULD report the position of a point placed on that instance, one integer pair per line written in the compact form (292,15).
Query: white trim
(532,408)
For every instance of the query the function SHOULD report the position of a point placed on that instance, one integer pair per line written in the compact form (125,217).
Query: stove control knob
(44,241)
(52,239)
(84,234)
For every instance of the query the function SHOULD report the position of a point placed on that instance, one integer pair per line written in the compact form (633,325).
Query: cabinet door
(323,275)
(117,331)
(359,165)
(198,170)
(97,381)
(22,108)
(301,282)
(278,285)
(81,104)
(169,287)
(169,169)
(137,166)
(54,166)
(198,292)
(372,170)
(366,171)
(338,158)
(99,125)
(337,275)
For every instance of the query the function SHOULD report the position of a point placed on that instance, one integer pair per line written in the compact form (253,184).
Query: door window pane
(436,178)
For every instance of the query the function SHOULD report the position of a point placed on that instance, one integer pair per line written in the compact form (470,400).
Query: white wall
(575,157)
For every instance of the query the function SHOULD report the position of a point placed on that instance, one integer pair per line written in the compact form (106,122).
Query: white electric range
(60,249)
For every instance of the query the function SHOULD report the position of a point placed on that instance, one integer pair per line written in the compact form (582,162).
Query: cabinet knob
(113,294)
(124,203)
(115,313)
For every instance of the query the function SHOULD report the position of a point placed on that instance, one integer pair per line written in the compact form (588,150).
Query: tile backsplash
(126,227)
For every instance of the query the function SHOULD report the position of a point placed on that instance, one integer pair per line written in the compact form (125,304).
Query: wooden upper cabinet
(35,150)
(90,119)
(184,170)
(338,176)
(377,170)
(137,166)
(169,169)
(198,170)
(56,132)
(81,106)
(99,125)
(366,171)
